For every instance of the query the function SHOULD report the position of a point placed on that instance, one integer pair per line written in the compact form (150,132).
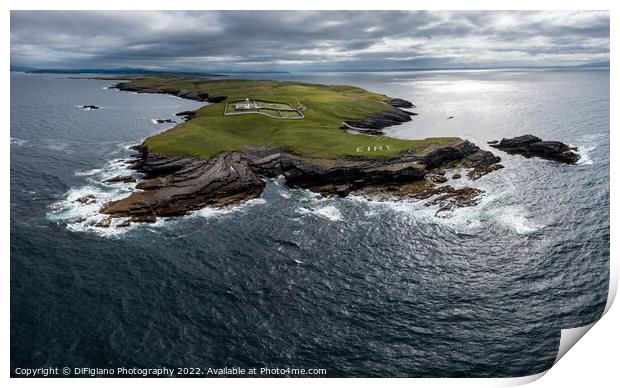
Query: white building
(246,105)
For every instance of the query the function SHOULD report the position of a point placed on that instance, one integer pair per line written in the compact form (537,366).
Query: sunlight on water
(464,86)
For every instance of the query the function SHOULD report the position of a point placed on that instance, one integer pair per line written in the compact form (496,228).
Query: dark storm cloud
(306,40)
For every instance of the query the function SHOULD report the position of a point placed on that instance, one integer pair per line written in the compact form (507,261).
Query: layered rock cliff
(177,185)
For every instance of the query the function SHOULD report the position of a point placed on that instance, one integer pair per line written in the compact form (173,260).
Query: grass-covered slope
(318,134)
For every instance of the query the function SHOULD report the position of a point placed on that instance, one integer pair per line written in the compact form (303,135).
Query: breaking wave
(18,142)
(584,153)
(493,208)
(79,208)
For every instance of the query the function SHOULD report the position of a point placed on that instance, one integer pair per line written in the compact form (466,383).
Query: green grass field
(319,134)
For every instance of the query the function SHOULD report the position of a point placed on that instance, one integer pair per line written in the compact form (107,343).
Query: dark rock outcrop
(445,197)
(190,95)
(149,218)
(120,179)
(481,163)
(162,121)
(400,103)
(183,93)
(375,122)
(437,178)
(532,146)
(87,199)
(104,223)
(187,114)
(216,99)
(344,177)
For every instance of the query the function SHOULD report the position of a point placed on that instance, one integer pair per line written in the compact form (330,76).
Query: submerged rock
(87,199)
(143,218)
(120,179)
(162,121)
(532,146)
(436,178)
(446,197)
(452,198)
(104,223)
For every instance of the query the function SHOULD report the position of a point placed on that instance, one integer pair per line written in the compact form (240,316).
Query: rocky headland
(376,122)
(183,93)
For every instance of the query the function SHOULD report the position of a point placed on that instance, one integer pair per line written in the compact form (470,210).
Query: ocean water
(355,286)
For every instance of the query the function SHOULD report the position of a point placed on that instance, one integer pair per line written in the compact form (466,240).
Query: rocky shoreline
(177,185)
(376,122)
(183,93)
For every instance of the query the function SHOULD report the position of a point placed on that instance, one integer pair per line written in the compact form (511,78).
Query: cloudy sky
(306,40)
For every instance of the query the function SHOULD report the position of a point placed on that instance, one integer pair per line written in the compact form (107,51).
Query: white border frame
(596,354)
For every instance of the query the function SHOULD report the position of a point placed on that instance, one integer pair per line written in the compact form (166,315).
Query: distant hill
(138,71)
(22,68)
(595,64)
(121,70)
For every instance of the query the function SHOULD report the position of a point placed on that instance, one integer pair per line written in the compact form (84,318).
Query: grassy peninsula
(318,134)
(222,154)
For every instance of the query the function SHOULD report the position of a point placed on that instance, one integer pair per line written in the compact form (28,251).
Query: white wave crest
(329,212)
(214,212)
(495,209)
(88,172)
(18,142)
(79,207)
(584,155)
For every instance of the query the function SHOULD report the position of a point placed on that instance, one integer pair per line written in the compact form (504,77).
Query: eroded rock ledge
(175,185)
(183,93)
(375,122)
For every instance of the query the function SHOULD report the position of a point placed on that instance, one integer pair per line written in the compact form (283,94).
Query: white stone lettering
(374,148)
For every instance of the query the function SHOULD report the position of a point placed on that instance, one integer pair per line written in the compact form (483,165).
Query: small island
(334,146)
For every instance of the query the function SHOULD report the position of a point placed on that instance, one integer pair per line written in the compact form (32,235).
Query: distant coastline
(222,73)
